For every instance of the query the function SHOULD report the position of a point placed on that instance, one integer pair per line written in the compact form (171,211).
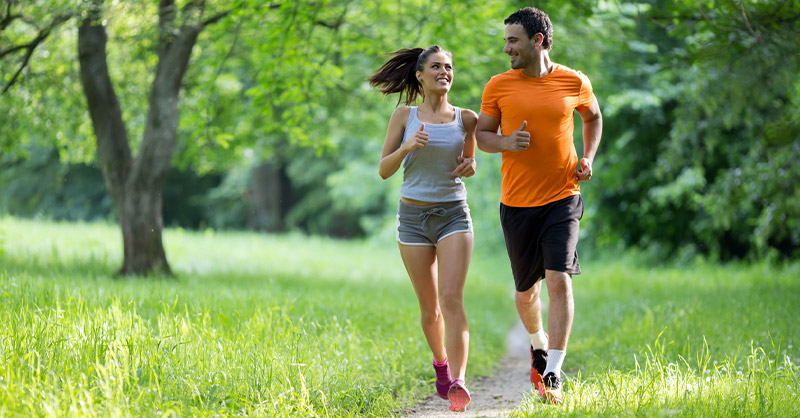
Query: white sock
(539,340)
(555,358)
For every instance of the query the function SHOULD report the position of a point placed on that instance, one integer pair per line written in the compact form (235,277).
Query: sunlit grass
(761,387)
(698,340)
(296,326)
(252,324)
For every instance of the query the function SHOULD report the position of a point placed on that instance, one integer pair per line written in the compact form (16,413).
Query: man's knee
(531,295)
(558,281)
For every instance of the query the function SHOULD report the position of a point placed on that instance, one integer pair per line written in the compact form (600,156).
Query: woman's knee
(430,316)
(452,302)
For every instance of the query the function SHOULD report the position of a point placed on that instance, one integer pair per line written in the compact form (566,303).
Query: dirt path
(494,396)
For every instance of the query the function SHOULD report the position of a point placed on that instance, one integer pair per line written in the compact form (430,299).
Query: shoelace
(424,215)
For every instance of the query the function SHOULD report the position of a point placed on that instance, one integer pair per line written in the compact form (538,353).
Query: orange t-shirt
(545,172)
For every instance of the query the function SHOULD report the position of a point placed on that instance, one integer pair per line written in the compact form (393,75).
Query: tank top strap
(412,115)
(458,116)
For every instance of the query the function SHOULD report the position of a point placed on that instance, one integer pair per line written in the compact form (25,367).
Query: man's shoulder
(564,71)
(506,76)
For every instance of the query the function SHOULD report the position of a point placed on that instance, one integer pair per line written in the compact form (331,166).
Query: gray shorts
(429,224)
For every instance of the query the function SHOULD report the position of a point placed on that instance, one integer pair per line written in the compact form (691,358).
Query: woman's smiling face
(437,73)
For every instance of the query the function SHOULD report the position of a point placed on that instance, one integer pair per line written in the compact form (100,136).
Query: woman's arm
(466,168)
(394,150)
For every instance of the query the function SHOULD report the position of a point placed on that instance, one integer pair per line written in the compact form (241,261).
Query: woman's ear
(419,76)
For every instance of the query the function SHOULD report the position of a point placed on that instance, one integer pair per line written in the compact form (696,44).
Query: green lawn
(701,340)
(289,325)
(252,324)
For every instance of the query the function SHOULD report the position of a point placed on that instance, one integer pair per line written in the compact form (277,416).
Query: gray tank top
(427,170)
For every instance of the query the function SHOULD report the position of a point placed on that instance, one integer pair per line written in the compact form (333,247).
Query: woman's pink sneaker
(442,378)
(458,395)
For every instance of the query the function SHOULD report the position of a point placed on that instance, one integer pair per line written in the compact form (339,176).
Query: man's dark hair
(534,21)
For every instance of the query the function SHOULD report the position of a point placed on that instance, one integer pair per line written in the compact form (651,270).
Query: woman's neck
(436,103)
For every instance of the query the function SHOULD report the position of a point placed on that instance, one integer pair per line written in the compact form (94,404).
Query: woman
(435,143)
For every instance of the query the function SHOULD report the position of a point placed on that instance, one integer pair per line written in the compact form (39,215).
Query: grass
(252,325)
(296,326)
(699,340)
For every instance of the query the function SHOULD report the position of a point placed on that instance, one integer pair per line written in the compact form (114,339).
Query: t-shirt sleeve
(489,104)
(586,94)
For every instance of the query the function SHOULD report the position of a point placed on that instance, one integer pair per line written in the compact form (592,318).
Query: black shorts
(542,238)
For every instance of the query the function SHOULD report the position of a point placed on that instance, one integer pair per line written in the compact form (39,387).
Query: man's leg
(559,324)
(529,308)
(561,309)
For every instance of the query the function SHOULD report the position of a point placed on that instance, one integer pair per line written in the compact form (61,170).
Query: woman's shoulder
(402,111)
(468,113)
(469,116)
(400,116)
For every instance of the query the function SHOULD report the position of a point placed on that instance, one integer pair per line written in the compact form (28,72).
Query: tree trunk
(270,196)
(136,185)
(142,225)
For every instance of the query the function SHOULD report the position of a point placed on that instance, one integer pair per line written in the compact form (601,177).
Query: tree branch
(7,17)
(747,22)
(216,18)
(213,83)
(31,46)
(14,49)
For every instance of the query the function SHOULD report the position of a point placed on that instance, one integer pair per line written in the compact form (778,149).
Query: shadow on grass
(52,265)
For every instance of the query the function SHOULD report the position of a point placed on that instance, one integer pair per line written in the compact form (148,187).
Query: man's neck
(539,68)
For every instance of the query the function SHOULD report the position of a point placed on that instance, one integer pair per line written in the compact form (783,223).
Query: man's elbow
(485,143)
(480,141)
(594,117)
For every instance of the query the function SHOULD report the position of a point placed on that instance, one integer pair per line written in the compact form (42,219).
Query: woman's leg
(420,262)
(454,253)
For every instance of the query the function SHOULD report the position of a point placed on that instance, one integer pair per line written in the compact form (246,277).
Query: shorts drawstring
(435,211)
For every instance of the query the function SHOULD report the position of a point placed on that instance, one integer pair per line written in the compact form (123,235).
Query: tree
(285,70)
(135,183)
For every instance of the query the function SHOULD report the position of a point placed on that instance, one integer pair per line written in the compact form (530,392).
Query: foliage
(41,186)
(702,156)
(699,99)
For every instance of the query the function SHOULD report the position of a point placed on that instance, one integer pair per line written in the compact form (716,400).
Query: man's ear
(538,39)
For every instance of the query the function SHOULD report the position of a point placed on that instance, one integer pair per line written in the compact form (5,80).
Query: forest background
(279,131)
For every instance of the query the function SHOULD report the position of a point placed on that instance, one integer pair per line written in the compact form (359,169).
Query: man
(540,205)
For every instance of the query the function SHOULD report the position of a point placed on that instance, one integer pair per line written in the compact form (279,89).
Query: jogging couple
(540,204)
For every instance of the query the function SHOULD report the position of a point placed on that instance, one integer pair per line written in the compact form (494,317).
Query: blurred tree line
(279,131)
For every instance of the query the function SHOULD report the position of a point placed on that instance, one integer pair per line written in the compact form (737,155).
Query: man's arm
(592,130)
(490,141)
